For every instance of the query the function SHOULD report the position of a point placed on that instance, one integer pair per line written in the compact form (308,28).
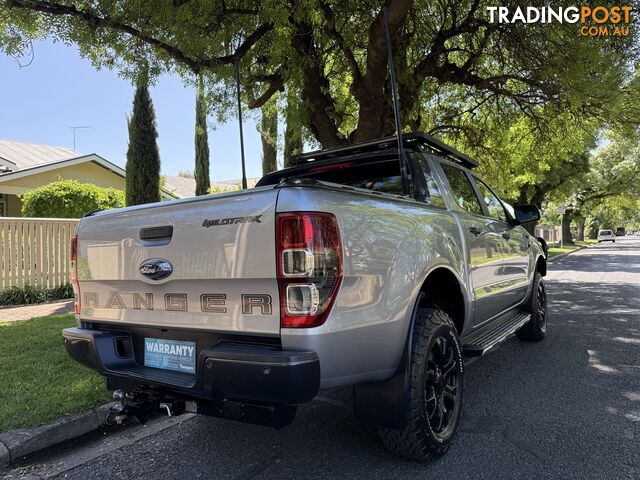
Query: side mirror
(526,214)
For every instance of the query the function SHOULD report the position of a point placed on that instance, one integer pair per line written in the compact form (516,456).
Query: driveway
(568,407)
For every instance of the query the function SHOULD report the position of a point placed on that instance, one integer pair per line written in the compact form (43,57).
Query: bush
(69,199)
(33,294)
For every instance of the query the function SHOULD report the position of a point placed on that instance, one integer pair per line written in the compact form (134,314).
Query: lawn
(555,251)
(39,382)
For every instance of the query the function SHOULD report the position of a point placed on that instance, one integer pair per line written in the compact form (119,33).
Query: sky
(59,89)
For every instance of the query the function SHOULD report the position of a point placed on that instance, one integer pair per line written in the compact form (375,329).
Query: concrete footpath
(13,314)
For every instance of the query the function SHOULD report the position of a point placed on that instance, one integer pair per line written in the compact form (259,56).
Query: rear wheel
(435,389)
(536,328)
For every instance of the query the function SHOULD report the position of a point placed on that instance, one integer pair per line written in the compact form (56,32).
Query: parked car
(244,305)
(606,236)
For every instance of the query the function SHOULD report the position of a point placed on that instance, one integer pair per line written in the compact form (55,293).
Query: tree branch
(91,18)
(330,28)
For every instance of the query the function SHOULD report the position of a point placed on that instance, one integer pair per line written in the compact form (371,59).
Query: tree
(269,137)
(143,158)
(450,58)
(293,127)
(69,199)
(613,172)
(201,172)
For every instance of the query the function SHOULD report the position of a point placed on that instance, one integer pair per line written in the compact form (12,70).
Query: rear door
(485,245)
(220,251)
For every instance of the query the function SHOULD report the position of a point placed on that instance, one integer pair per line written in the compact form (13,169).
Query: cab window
(462,189)
(426,181)
(494,207)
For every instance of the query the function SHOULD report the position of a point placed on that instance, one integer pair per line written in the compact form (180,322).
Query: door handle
(506,236)
(475,230)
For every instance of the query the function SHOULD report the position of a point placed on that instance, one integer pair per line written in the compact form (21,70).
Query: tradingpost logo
(592,21)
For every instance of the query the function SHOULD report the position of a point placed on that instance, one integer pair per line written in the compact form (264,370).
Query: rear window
(606,232)
(379,176)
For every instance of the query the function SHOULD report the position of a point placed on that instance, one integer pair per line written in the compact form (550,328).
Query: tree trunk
(293,128)
(566,228)
(269,137)
(580,230)
(201,171)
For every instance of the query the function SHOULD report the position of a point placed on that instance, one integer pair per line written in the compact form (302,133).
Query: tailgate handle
(157,233)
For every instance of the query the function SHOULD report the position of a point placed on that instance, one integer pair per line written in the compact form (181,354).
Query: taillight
(74,273)
(309,257)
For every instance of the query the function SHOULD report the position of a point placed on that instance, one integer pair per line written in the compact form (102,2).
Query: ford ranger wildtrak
(245,304)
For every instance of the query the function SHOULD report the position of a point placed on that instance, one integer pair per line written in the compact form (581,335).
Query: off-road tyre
(420,438)
(536,305)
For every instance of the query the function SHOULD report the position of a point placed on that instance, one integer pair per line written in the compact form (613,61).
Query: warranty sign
(170,355)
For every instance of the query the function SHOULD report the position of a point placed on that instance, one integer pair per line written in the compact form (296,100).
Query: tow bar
(134,406)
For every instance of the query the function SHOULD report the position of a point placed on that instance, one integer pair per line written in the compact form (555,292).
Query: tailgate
(218,255)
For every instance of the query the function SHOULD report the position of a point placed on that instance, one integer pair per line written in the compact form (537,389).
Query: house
(24,166)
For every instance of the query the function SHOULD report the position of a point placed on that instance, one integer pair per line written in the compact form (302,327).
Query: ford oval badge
(156,268)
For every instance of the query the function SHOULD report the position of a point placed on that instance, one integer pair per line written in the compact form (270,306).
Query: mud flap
(385,404)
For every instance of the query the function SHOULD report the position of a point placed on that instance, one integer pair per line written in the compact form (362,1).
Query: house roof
(184,187)
(20,155)
(19,159)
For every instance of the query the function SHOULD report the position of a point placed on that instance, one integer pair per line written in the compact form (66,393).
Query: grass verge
(555,251)
(39,382)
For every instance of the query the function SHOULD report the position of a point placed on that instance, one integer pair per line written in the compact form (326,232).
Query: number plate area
(170,355)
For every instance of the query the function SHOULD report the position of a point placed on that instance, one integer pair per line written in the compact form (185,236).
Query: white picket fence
(35,251)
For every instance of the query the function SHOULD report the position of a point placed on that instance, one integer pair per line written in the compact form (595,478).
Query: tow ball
(134,406)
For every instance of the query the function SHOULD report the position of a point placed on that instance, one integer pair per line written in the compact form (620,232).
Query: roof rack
(432,143)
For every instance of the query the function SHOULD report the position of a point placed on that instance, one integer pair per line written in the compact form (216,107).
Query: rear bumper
(224,371)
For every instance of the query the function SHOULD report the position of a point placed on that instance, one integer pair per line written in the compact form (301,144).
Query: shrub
(34,294)
(69,199)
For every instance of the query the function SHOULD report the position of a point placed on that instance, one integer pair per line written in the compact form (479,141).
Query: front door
(515,248)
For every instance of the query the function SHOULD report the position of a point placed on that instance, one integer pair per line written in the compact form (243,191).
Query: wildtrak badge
(230,221)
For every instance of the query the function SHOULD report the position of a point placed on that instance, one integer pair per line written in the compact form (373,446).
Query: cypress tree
(201,172)
(143,159)
(293,128)
(269,137)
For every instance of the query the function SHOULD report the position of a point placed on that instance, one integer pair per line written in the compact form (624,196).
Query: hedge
(69,199)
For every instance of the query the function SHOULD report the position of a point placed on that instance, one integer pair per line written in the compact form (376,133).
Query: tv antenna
(74,128)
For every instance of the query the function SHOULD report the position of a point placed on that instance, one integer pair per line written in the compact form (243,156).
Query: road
(568,407)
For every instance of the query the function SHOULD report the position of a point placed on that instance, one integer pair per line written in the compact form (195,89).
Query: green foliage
(33,294)
(69,199)
(269,136)
(527,100)
(201,172)
(143,158)
(217,189)
(524,159)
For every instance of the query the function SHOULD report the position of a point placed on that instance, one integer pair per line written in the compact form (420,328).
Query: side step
(491,335)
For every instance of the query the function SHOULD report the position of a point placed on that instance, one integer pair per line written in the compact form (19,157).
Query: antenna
(396,109)
(74,128)
(244,173)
